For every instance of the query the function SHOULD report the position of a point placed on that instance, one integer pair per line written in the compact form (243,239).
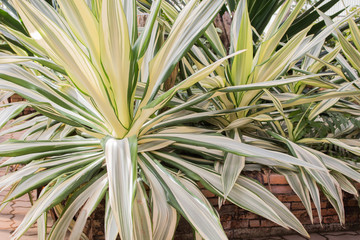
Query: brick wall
(17,98)
(241,224)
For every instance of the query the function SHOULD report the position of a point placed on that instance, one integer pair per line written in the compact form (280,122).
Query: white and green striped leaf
(249,198)
(55,195)
(164,216)
(203,219)
(241,38)
(18,148)
(233,166)
(121,164)
(141,214)
(84,195)
(10,112)
(232,146)
(115,56)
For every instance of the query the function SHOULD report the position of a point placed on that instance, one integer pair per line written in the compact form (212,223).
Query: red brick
(301,214)
(226,224)
(316,220)
(242,211)
(323,204)
(352,217)
(297,205)
(254,223)
(200,185)
(16,98)
(239,224)
(228,209)
(249,215)
(268,223)
(229,234)
(288,198)
(306,221)
(236,220)
(265,178)
(225,218)
(277,179)
(213,201)
(208,194)
(287,204)
(300,205)
(227,203)
(281,189)
(352,203)
(328,212)
(331,219)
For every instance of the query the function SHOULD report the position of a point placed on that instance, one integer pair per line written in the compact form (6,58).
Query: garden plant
(139,116)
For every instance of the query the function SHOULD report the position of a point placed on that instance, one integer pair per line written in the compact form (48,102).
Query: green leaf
(311,185)
(337,165)
(297,184)
(121,164)
(141,215)
(164,216)
(130,10)
(79,202)
(83,24)
(355,33)
(10,21)
(277,30)
(142,42)
(111,232)
(32,180)
(250,196)
(344,183)
(189,25)
(279,108)
(66,52)
(269,84)
(241,38)
(8,113)
(330,187)
(56,194)
(19,148)
(98,190)
(283,212)
(203,219)
(352,54)
(233,166)
(338,142)
(115,56)
(231,146)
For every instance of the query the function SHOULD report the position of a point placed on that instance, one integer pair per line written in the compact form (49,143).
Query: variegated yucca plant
(265,118)
(106,128)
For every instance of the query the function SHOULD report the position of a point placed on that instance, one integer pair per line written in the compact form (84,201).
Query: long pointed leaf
(121,166)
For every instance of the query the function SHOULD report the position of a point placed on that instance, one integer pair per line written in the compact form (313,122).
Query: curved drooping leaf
(231,146)
(18,148)
(255,198)
(57,194)
(233,166)
(94,189)
(204,220)
(330,187)
(164,216)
